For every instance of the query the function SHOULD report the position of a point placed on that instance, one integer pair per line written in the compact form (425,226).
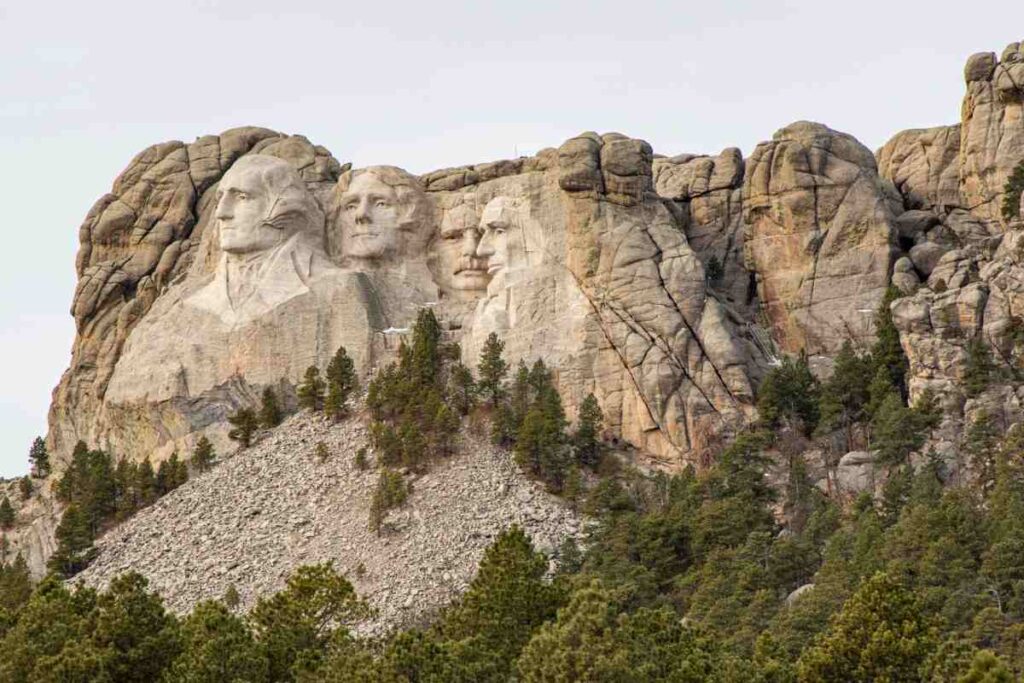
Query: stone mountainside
(263,512)
(664,285)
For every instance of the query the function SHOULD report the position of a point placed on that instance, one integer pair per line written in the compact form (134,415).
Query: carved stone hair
(291,208)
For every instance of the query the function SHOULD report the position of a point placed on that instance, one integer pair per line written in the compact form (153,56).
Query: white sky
(86,85)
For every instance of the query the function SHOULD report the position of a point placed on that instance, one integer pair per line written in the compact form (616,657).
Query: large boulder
(820,236)
(991,131)
(924,166)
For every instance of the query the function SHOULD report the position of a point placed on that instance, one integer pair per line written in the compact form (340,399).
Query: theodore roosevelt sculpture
(457,268)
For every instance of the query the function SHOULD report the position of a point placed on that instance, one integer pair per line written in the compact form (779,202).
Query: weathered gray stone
(820,236)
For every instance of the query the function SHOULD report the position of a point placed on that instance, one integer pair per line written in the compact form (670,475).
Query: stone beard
(269,229)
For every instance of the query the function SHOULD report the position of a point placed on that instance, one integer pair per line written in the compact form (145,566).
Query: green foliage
(844,396)
(714,270)
(541,446)
(231,597)
(897,431)
(297,624)
(507,600)
(25,487)
(462,389)
(586,441)
(342,382)
(171,474)
(880,634)
(123,634)
(311,390)
(788,397)
(887,352)
(244,424)
(978,367)
(980,446)
(1012,192)
(492,369)
(217,647)
(203,455)
(39,459)
(987,667)
(592,640)
(391,492)
(74,537)
(270,409)
(321,452)
(6,514)
(360,460)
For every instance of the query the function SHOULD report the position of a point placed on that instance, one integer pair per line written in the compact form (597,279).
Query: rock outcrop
(820,236)
(146,234)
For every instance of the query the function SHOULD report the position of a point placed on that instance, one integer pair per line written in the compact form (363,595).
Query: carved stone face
(460,268)
(370,218)
(495,224)
(242,208)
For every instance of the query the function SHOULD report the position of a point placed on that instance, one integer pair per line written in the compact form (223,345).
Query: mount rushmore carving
(221,267)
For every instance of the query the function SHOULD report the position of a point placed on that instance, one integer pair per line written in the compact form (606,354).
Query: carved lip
(492,269)
(471,271)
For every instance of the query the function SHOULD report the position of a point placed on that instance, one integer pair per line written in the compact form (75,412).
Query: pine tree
(6,514)
(586,441)
(893,432)
(145,483)
(341,383)
(218,646)
(297,624)
(74,544)
(391,492)
(425,354)
(789,396)
(887,352)
(881,634)
(203,455)
(507,600)
(980,444)
(881,387)
(978,367)
(714,270)
(845,393)
(171,474)
(311,390)
(270,409)
(244,424)
(462,389)
(39,458)
(492,369)
(1012,192)
(25,486)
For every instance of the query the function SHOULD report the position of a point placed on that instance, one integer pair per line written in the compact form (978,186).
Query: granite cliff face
(664,285)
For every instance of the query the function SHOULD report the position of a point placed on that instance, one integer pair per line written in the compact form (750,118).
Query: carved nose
(363,212)
(470,241)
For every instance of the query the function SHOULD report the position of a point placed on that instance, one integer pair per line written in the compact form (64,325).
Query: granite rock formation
(820,236)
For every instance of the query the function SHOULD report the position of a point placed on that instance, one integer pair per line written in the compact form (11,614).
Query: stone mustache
(569,257)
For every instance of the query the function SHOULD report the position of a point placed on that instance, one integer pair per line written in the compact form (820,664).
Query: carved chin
(369,247)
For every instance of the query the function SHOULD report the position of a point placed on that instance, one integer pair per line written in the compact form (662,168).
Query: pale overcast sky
(86,85)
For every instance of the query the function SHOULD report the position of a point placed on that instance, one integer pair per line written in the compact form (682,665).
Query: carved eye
(350,207)
(381,204)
